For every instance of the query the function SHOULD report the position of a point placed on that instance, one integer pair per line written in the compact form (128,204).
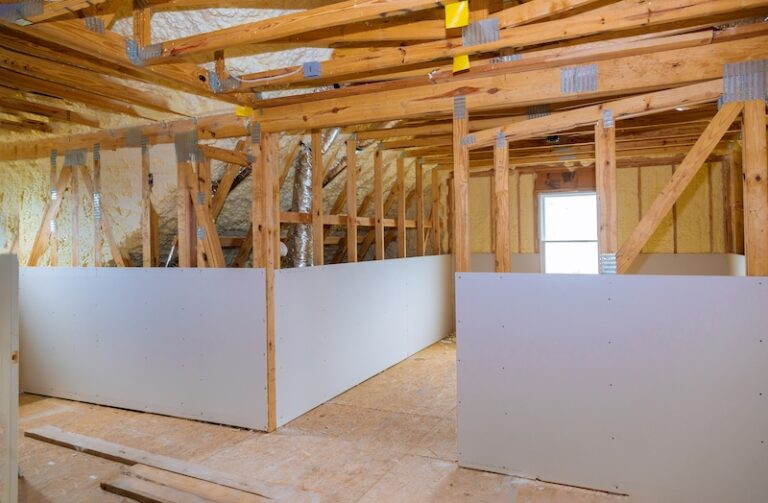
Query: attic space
(384,250)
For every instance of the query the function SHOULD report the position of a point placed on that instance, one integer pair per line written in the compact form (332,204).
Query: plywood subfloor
(392,438)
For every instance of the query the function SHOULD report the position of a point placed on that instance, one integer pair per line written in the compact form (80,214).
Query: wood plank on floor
(165,486)
(146,491)
(131,456)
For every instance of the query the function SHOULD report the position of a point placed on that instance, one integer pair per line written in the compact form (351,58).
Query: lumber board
(631,74)
(318,173)
(401,208)
(755,188)
(190,487)
(351,187)
(461,231)
(378,205)
(605,181)
(286,25)
(131,456)
(503,249)
(677,184)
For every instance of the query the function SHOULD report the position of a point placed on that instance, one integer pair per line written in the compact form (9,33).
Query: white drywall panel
(182,342)
(655,386)
(705,264)
(9,377)
(339,325)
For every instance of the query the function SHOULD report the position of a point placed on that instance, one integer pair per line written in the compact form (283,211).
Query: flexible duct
(300,235)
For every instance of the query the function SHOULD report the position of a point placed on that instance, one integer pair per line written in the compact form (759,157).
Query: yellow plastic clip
(241,111)
(460,63)
(457,14)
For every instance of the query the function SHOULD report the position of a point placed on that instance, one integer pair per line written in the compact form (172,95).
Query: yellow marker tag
(457,14)
(241,111)
(460,63)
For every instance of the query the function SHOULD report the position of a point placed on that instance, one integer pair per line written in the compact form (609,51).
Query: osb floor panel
(390,439)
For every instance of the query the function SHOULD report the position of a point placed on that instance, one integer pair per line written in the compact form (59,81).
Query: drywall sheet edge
(183,342)
(655,386)
(9,377)
(338,325)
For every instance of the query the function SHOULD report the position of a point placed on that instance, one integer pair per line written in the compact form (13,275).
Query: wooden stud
(435,231)
(52,240)
(420,241)
(605,181)
(75,247)
(676,186)
(352,200)
(270,145)
(503,249)
(257,206)
(318,173)
(209,250)
(42,238)
(378,203)
(461,243)
(149,245)
(186,217)
(755,188)
(401,208)
(98,240)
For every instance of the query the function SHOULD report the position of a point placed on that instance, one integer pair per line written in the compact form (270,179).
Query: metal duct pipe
(330,137)
(300,235)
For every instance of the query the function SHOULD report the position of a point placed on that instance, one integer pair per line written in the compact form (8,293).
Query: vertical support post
(352,199)
(605,181)
(185,214)
(271,252)
(148,233)
(142,24)
(96,198)
(420,243)
(257,196)
(401,207)
(75,219)
(378,203)
(503,249)
(755,188)
(451,204)
(318,241)
(435,211)
(461,249)
(52,240)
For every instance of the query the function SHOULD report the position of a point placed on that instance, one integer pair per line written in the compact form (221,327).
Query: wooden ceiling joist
(52,113)
(348,11)
(623,15)
(81,79)
(24,82)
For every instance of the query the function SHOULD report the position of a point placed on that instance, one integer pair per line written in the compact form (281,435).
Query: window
(569,233)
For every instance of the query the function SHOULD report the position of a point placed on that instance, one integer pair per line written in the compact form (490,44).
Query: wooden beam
(351,188)
(378,204)
(677,184)
(257,199)
(503,250)
(377,59)
(318,173)
(435,231)
(631,74)
(185,216)
(755,188)
(420,238)
(53,113)
(211,252)
(605,180)
(142,24)
(461,238)
(75,232)
(402,248)
(625,108)
(270,157)
(85,80)
(340,13)
(59,8)
(149,246)
(94,186)
(41,241)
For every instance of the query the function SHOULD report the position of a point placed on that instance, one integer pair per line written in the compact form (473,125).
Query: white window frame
(542,230)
